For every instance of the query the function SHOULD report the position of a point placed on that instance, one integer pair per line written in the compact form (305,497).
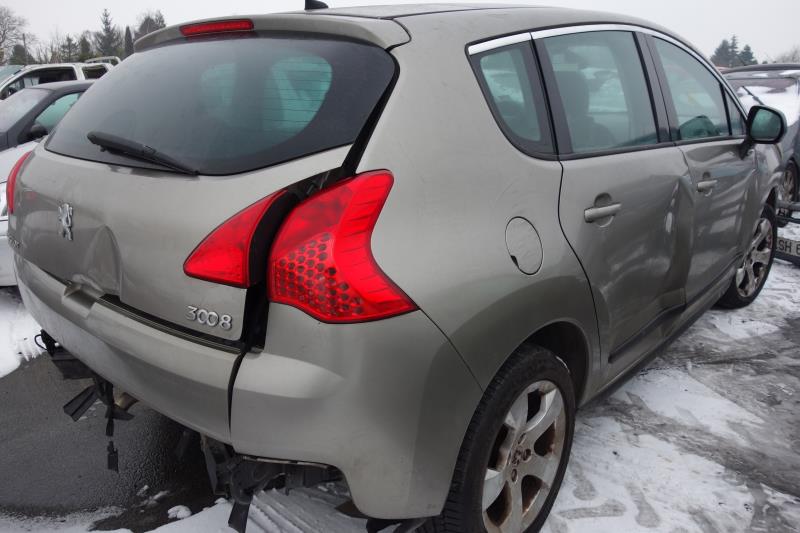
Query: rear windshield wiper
(114,143)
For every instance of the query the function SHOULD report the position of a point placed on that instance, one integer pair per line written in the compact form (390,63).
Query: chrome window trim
(498,43)
(586,28)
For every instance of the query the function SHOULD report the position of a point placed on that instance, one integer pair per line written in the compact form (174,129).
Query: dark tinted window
(93,73)
(231,105)
(696,94)
(511,83)
(17,105)
(602,87)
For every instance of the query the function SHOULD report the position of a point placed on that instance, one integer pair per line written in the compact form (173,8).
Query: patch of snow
(738,327)
(76,523)
(17,332)
(179,512)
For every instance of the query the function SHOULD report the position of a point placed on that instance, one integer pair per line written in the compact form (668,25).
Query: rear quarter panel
(458,182)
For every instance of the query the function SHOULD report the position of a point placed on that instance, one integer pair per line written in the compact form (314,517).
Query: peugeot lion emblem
(65,217)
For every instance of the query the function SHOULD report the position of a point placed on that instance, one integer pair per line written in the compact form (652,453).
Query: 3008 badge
(209,318)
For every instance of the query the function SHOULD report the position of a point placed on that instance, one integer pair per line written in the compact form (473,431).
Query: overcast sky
(769,26)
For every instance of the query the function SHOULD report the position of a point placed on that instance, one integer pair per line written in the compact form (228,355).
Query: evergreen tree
(746,56)
(722,55)
(149,22)
(128,42)
(108,40)
(18,56)
(84,47)
(69,50)
(734,50)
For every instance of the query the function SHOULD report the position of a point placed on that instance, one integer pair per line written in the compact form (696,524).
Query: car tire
(789,188)
(535,385)
(752,273)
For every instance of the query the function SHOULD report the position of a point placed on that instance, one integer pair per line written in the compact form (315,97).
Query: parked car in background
(37,74)
(31,114)
(8,159)
(26,117)
(7,71)
(110,60)
(777,86)
(394,244)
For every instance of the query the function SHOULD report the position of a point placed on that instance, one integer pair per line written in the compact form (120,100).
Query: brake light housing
(321,261)
(224,255)
(217,26)
(11,184)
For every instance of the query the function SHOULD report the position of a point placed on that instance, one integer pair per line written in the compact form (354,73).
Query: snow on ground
(705,439)
(17,329)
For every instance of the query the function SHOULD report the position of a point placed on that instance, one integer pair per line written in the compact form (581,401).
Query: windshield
(17,105)
(781,93)
(8,70)
(230,105)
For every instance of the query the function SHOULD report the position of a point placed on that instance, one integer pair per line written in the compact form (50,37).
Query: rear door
(707,125)
(625,204)
(251,115)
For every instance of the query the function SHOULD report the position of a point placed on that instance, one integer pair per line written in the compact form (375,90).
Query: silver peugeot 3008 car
(396,244)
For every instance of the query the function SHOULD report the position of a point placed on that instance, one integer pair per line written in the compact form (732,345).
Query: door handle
(706,186)
(596,213)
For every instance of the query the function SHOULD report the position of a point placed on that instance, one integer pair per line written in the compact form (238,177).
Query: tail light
(224,255)
(11,185)
(321,261)
(218,26)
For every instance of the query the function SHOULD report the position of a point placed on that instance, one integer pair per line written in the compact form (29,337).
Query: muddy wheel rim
(524,460)
(753,271)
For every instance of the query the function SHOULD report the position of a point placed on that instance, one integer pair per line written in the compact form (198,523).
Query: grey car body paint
(387,402)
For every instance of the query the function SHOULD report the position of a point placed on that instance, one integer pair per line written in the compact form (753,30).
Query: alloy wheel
(750,276)
(524,460)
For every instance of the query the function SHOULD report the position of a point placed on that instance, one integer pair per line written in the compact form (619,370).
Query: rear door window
(231,105)
(53,114)
(49,75)
(696,94)
(602,88)
(510,81)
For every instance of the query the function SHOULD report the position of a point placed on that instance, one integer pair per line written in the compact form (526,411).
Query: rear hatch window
(231,105)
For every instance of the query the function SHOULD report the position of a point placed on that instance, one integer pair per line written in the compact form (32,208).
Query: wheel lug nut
(527,454)
(514,476)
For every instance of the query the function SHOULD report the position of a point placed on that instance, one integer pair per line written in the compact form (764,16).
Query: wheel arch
(569,343)
(772,199)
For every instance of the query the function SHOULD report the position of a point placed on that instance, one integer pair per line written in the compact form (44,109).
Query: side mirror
(765,125)
(37,131)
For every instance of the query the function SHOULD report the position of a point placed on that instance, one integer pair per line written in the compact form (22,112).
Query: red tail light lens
(11,185)
(321,261)
(220,26)
(224,256)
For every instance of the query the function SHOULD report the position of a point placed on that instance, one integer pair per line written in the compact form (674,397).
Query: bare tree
(790,56)
(11,27)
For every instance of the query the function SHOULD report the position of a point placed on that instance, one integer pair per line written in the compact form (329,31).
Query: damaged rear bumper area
(385,403)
